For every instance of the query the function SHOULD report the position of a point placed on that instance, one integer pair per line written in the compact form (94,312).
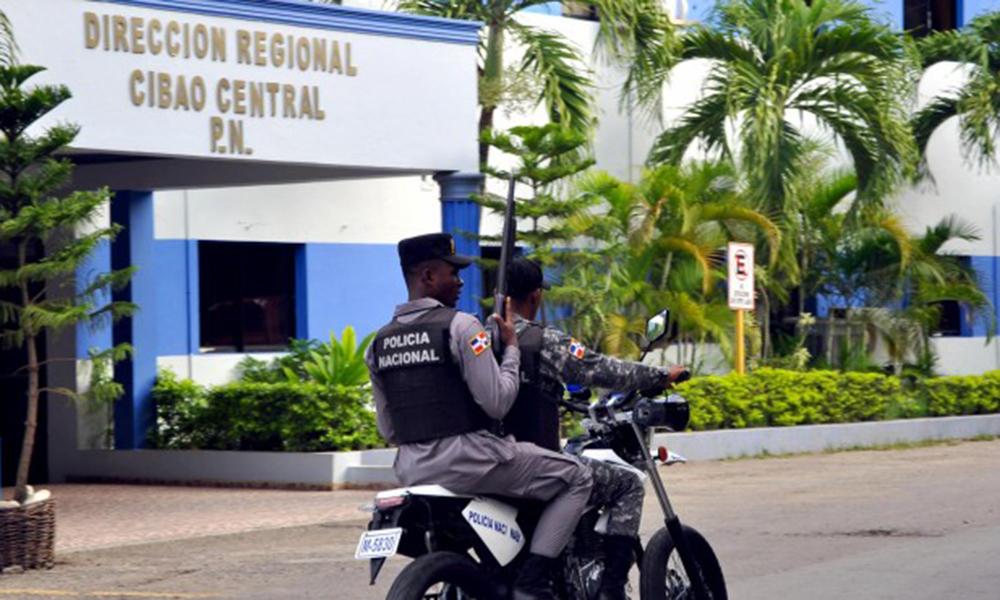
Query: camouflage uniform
(565,360)
(588,368)
(620,492)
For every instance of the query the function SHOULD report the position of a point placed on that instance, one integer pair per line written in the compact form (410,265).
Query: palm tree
(976,104)
(631,33)
(781,69)
(891,282)
(8,44)
(660,242)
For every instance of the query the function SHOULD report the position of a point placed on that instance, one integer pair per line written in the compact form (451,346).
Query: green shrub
(338,362)
(778,398)
(963,395)
(179,405)
(303,417)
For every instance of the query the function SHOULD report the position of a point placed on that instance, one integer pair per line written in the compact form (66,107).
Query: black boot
(535,580)
(619,556)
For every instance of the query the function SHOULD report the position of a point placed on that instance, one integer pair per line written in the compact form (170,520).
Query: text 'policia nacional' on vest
(265,98)
(396,350)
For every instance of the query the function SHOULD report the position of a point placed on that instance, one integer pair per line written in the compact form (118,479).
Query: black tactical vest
(426,396)
(535,415)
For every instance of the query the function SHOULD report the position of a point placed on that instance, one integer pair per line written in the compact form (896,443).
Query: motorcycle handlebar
(583,410)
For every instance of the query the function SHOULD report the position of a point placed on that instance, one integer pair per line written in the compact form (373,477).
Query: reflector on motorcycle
(662,453)
(390,502)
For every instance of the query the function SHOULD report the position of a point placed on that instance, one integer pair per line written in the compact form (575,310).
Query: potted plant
(51,234)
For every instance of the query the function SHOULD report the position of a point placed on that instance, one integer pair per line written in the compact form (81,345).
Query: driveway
(898,524)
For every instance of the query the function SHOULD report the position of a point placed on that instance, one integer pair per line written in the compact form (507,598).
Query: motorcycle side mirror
(656,327)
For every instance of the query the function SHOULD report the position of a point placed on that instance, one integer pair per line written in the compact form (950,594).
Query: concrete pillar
(459,213)
(135,413)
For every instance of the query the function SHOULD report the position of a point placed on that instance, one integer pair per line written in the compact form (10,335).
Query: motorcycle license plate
(378,544)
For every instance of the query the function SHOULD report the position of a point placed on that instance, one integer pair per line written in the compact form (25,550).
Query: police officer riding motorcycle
(438,389)
(549,360)
(450,517)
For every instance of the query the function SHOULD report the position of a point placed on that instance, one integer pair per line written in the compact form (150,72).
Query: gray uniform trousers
(502,467)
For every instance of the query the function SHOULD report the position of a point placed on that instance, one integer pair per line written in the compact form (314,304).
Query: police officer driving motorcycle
(438,391)
(549,360)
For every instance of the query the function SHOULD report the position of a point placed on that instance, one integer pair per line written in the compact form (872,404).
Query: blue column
(135,414)
(460,214)
(89,337)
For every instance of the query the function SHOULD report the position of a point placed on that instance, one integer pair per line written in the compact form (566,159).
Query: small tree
(52,235)
(546,159)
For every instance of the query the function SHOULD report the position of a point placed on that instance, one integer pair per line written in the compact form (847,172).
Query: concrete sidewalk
(91,516)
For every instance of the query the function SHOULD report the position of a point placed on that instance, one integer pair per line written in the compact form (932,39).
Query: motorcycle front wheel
(440,576)
(663,576)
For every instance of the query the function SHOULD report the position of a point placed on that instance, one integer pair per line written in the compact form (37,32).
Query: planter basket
(28,536)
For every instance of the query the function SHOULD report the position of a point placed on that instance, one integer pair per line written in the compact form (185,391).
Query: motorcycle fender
(609,457)
(382,521)
(496,525)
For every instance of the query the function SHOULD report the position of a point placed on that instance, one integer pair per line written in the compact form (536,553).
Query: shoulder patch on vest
(480,342)
(576,348)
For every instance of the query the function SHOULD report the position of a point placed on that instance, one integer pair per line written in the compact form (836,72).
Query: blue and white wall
(347,269)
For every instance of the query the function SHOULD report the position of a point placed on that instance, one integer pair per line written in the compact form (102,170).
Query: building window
(247,296)
(952,318)
(921,17)
(950,322)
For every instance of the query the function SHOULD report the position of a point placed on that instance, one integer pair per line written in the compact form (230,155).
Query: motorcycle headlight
(672,411)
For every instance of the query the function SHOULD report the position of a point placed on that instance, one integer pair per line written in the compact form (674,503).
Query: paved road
(908,524)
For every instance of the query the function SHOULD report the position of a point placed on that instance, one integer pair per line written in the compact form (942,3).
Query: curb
(372,469)
(736,443)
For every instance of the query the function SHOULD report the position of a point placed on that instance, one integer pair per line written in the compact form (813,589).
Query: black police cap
(433,246)
(523,277)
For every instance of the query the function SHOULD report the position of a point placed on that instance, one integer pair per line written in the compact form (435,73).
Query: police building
(266,158)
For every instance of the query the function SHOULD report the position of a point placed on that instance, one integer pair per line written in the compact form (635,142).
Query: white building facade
(273,211)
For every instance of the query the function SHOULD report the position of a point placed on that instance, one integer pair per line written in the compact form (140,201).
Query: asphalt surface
(911,524)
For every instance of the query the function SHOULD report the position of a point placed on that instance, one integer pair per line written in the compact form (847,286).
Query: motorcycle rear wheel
(663,576)
(441,576)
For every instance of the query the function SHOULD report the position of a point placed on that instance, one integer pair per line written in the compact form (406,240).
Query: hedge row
(775,398)
(302,417)
(308,417)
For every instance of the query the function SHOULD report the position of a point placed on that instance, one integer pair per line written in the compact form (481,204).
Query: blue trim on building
(325,16)
(347,284)
(301,293)
(135,414)
(553,9)
(177,323)
(887,12)
(193,290)
(91,335)
(986,273)
(970,9)
(460,214)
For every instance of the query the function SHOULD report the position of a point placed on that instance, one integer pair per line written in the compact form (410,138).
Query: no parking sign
(740,259)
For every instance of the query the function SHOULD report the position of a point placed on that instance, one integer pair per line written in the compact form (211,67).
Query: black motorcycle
(469,547)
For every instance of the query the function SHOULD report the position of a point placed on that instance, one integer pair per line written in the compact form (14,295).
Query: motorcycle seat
(422,490)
